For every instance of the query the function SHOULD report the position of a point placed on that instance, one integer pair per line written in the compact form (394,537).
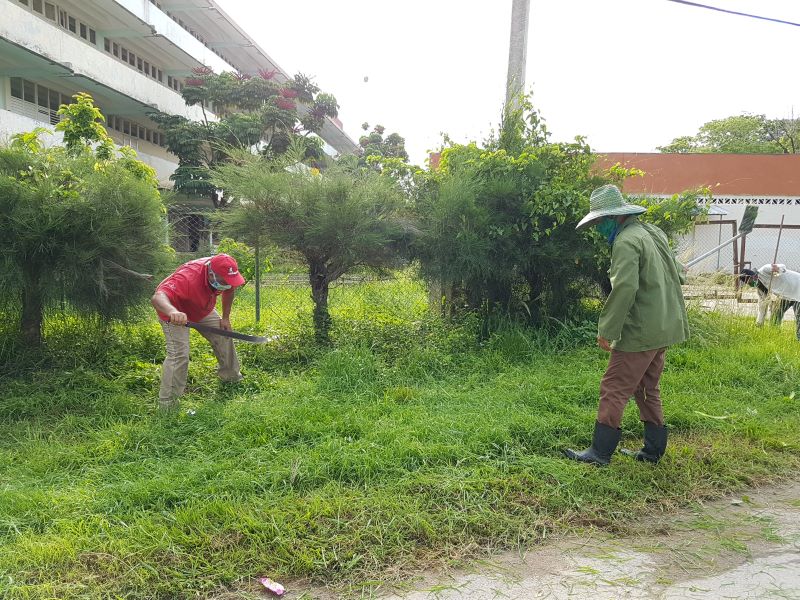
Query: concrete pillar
(517,51)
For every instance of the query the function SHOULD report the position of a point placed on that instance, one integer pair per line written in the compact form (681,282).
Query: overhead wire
(733,12)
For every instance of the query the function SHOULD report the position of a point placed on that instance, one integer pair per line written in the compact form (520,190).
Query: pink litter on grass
(273,586)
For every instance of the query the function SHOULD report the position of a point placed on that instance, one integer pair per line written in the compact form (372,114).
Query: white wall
(165,26)
(12,123)
(40,36)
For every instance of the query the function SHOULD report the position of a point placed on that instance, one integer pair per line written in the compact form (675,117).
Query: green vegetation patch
(408,441)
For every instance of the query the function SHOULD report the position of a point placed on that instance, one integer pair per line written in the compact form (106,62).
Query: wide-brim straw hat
(607,201)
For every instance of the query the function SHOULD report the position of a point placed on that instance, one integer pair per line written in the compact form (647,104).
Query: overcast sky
(629,75)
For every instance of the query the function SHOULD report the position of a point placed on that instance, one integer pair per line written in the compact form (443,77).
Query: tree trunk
(535,289)
(32,311)
(318,276)
(498,295)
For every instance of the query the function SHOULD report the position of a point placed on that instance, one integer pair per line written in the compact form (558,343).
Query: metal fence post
(257,275)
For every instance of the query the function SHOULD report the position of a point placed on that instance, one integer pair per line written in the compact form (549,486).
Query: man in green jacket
(644,313)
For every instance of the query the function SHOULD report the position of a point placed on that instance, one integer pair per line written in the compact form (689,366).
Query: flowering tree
(256,112)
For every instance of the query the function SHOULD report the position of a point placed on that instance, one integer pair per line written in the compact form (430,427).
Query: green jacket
(645,309)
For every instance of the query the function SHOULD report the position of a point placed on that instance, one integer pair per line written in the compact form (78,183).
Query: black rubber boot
(604,442)
(655,444)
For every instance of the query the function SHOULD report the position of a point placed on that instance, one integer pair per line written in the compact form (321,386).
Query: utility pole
(517,51)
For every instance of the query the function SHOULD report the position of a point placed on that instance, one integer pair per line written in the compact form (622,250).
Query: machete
(255,339)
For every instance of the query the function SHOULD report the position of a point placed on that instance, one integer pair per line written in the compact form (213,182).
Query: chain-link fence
(713,283)
(754,250)
(190,231)
(363,299)
(761,244)
(281,299)
(704,237)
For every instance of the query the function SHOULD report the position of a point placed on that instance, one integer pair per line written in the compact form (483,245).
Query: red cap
(225,268)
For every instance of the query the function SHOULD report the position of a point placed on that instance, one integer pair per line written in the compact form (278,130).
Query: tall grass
(410,441)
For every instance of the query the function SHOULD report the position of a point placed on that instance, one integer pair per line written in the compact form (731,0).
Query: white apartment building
(132,56)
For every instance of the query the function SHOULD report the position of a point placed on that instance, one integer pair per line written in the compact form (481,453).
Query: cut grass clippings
(408,442)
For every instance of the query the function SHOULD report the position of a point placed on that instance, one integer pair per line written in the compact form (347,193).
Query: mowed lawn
(411,441)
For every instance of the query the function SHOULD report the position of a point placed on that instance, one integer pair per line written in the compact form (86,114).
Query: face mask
(215,282)
(608,228)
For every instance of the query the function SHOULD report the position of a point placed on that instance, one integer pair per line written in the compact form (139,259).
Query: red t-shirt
(189,291)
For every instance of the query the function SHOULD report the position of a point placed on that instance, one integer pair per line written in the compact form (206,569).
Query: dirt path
(742,547)
(747,546)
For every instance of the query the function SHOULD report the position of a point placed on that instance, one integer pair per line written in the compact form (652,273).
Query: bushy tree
(79,223)
(741,134)
(387,156)
(337,220)
(257,113)
(507,211)
(378,147)
(497,222)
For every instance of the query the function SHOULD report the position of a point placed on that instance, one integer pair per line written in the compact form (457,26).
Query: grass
(409,442)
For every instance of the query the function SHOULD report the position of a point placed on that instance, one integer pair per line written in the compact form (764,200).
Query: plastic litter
(273,586)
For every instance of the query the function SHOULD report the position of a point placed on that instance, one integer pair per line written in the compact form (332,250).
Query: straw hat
(607,201)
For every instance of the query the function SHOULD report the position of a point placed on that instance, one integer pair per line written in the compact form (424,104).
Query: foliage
(257,113)
(245,257)
(498,222)
(78,224)
(341,466)
(498,225)
(337,220)
(741,134)
(375,145)
(81,124)
(677,214)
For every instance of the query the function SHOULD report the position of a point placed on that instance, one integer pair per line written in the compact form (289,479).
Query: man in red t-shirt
(190,295)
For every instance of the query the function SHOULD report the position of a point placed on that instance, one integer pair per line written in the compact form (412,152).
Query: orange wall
(725,174)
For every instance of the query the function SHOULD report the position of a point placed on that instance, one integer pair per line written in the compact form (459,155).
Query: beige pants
(176,365)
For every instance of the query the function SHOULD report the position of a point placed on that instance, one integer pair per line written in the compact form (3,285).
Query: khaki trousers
(176,365)
(634,374)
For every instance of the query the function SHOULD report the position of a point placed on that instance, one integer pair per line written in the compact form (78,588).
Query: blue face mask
(216,283)
(608,228)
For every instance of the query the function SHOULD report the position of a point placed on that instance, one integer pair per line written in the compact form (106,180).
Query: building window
(16,87)
(28,91)
(92,36)
(36,101)
(115,47)
(84,31)
(62,18)
(107,45)
(50,11)
(43,96)
(55,100)
(139,64)
(124,54)
(25,2)
(131,59)
(71,24)
(37,6)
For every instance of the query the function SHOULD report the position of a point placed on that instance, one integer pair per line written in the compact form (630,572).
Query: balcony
(62,55)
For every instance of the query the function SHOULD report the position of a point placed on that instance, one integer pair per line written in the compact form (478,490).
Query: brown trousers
(634,374)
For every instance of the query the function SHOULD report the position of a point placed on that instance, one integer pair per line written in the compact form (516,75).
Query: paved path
(743,547)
